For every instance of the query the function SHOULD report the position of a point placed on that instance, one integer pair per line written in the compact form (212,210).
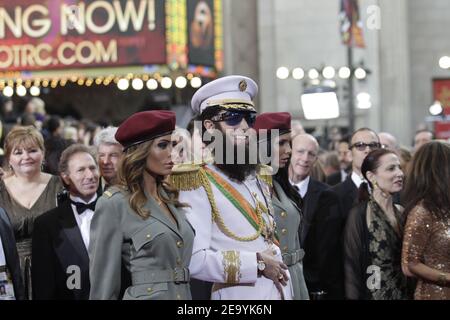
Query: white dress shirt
(343,175)
(84,219)
(302,186)
(357,180)
(2,254)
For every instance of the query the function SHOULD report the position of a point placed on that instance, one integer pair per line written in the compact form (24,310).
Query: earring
(375,184)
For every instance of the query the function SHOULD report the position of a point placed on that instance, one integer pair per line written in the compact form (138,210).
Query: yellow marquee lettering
(16,52)
(90,14)
(42,24)
(26,55)
(13,25)
(61,53)
(40,60)
(73,17)
(91,52)
(108,55)
(7,52)
(123,17)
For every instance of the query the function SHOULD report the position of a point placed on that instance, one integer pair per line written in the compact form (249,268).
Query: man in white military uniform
(230,205)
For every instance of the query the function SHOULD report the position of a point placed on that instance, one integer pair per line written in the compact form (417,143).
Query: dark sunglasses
(232,118)
(361,146)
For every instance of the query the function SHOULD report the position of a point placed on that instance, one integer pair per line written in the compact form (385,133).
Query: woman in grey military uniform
(285,199)
(139,224)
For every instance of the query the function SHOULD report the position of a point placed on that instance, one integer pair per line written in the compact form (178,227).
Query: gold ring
(280,276)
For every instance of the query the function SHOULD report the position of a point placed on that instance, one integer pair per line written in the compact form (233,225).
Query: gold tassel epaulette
(186,176)
(111,191)
(265,173)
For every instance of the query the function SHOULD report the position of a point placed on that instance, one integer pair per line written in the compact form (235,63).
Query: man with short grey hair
(388,141)
(422,137)
(296,128)
(109,154)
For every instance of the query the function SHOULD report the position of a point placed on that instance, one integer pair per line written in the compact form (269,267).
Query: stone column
(267,55)
(240,29)
(395,93)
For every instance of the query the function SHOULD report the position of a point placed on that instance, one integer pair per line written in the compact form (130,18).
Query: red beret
(144,126)
(273,120)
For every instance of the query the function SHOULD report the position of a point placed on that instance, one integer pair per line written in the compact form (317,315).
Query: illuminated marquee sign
(60,34)
(56,34)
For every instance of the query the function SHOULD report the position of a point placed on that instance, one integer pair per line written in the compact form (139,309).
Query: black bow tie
(82,207)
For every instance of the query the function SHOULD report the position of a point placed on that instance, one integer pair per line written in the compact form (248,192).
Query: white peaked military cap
(230,92)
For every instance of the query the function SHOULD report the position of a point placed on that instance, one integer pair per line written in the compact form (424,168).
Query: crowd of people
(237,206)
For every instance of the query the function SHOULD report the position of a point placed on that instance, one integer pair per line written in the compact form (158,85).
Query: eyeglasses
(233,118)
(361,146)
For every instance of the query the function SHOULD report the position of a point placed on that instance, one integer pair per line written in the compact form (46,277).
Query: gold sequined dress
(427,241)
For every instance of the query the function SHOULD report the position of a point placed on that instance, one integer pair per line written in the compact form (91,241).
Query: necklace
(268,227)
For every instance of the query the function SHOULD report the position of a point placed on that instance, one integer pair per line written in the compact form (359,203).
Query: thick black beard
(235,171)
(238,172)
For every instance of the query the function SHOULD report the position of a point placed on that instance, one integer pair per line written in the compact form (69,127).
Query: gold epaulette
(111,191)
(186,176)
(265,173)
(108,194)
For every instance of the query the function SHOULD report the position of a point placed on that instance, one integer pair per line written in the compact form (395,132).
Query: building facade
(404,40)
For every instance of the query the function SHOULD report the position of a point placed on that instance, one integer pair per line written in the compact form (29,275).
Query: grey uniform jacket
(155,251)
(288,219)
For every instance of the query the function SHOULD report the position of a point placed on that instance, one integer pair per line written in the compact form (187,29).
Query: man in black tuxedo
(61,236)
(362,142)
(320,229)
(9,261)
(345,163)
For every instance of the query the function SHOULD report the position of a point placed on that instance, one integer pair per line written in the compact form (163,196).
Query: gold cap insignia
(243,85)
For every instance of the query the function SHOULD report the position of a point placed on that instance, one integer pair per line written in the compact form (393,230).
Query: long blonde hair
(131,180)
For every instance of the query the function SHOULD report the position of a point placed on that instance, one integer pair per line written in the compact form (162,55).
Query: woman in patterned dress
(373,233)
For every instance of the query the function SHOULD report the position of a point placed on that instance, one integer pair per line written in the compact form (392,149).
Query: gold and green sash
(238,201)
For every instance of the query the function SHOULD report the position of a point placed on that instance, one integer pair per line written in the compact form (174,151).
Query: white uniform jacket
(218,258)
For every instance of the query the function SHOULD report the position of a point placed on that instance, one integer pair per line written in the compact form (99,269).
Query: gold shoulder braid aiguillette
(265,174)
(186,177)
